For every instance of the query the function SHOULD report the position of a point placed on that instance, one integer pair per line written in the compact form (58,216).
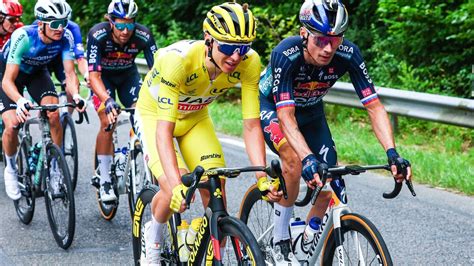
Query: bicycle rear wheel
(362,243)
(59,197)
(25,206)
(257,214)
(70,147)
(137,179)
(241,246)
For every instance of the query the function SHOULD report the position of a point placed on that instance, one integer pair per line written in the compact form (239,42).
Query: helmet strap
(209,53)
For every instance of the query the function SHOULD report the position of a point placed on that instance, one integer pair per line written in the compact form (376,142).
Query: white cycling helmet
(125,9)
(46,10)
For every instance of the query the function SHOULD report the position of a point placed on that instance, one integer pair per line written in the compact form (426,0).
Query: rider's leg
(53,117)
(104,149)
(10,144)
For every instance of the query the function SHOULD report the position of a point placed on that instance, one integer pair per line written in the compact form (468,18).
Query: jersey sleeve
(250,101)
(67,46)
(360,78)
(150,49)
(19,43)
(77,37)
(168,82)
(93,53)
(282,76)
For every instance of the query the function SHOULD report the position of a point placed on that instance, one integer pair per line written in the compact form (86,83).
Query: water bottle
(297,227)
(34,155)
(120,162)
(193,229)
(181,235)
(311,229)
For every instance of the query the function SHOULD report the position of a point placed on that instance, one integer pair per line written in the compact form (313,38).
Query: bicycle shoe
(107,192)
(283,255)
(11,184)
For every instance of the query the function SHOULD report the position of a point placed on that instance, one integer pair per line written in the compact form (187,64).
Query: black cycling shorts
(38,84)
(313,125)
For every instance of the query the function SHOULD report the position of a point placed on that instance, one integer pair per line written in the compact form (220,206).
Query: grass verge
(441,155)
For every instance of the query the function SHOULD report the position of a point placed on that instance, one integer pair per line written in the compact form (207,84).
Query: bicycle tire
(70,153)
(363,227)
(257,214)
(242,242)
(25,206)
(59,197)
(107,210)
(142,209)
(139,181)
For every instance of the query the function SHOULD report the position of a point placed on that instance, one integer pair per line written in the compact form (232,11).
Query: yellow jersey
(179,84)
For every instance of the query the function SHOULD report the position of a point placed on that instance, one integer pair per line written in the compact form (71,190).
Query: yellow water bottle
(193,229)
(181,235)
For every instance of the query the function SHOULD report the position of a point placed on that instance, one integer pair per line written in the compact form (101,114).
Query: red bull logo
(274,130)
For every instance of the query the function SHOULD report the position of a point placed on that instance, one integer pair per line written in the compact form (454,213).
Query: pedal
(95,181)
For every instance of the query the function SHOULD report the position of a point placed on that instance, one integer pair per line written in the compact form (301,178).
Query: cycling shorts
(38,84)
(126,83)
(195,137)
(314,128)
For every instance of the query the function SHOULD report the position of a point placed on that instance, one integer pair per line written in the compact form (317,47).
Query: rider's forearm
(98,86)
(166,151)
(293,135)
(82,66)
(381,124)
(254,143)
(72,83)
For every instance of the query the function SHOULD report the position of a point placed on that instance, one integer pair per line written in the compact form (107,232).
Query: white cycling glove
(21,106)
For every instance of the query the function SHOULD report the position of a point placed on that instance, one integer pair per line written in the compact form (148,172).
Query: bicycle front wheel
(362,244)
(70,148)
(25,206)
(241,246)
(257,214)
(136,176)
(142,216)
(59,197)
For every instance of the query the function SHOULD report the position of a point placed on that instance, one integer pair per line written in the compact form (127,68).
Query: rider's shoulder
(142,31)
(347,50)
(99,30)
(291,47)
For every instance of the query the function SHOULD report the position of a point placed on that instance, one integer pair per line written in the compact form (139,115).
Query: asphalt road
(435,228)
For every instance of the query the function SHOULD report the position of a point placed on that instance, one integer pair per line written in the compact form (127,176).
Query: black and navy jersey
(104,55)
(290,82)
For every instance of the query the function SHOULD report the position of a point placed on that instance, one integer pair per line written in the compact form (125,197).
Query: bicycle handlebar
(355,170)
(54,107)
(130,110)
(191,180)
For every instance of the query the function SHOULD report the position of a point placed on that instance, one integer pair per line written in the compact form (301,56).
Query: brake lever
(323,172)
(191,180)
(275,166)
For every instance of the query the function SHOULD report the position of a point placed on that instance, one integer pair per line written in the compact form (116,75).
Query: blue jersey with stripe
(290,82)
(25,48)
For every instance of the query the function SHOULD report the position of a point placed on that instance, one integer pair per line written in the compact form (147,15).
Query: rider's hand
(21,109)
(178,202)
(310,171)
(79,102)
(398,165)
(269,189)
(111,110)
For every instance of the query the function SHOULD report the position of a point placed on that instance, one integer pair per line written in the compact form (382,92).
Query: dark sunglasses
(230,48)
(123,26)
(57,24)
(12,19)
(323,41)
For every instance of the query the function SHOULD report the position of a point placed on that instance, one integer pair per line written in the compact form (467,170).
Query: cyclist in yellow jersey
(185,78)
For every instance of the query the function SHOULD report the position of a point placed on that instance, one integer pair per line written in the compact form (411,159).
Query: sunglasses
(57,24)
(230,48)
(323,41)
(123,26)
(12,19)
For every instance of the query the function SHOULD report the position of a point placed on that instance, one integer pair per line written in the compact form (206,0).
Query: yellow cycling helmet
(231,22)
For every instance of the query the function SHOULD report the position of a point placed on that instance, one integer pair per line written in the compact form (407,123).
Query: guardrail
(432,107)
